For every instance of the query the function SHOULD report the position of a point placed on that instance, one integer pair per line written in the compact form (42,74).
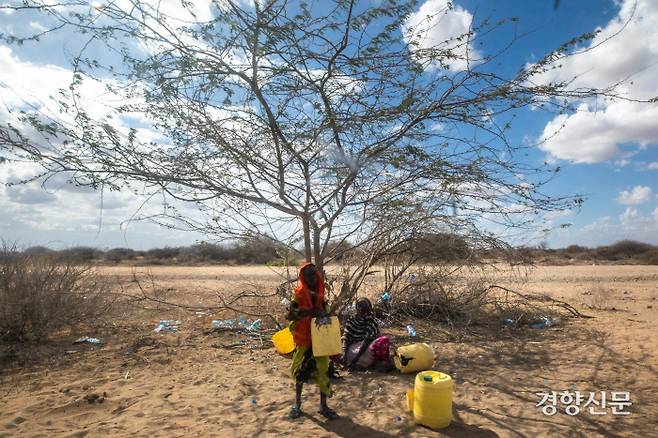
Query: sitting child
(362,345)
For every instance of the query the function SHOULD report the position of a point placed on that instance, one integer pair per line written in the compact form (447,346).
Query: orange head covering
(302,332)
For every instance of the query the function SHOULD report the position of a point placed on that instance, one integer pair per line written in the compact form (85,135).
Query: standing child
(308,303)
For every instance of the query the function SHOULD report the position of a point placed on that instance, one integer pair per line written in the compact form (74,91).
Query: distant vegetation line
(435,249)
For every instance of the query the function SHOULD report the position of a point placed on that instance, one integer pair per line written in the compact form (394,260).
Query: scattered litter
(412,277)
(254,325)
(224,323)
(126,376)
(508,322)
(411,330)
(253,402)
(398,419)
(167,325)
(544,323)
(202,313)
(242,322)
(385,298)
(88,340)
(285,302)
(71,351)
(131,350)
(573,386)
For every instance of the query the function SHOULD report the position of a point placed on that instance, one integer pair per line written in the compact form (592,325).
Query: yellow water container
(283,341)
(325,336)
(414,357)
(432,399)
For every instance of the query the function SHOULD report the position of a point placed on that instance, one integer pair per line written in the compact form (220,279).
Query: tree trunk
(317,253)
(307,238)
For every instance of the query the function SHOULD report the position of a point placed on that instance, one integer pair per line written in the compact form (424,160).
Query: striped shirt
(359,328)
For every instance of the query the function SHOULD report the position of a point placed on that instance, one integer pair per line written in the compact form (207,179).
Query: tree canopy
(309,125)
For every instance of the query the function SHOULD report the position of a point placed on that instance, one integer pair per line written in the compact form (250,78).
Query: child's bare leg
(325,410)
(296,410)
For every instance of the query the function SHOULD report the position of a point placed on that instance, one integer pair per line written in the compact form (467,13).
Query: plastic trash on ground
(411,330)
(167,325)
(544,323)
(224,323)
(254,325)
(88,340)
(385,298)
(240,323)
(508,322)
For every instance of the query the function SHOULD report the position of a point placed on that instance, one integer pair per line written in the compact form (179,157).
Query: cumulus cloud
(631,224)
(629,216)
(638,195)
(623,51)
(653,166)
(437,25)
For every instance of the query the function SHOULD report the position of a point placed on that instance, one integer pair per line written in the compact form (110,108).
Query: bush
(441,247)
(41,294)
(117,255)
(651,257)
(624,249)
(80,254)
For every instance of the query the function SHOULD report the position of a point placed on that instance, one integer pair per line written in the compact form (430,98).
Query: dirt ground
(199,383)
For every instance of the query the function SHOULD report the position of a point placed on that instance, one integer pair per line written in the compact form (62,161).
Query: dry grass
(39,295)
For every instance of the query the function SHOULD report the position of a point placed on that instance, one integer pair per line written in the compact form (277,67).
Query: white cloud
(594,133)
(653,166)
(629,216)
(440,31)
(655,215)
(638,195)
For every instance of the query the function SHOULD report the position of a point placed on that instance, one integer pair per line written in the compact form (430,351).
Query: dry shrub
(40,294)
(599,297)
(471,297)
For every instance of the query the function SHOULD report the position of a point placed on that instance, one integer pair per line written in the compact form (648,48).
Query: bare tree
(319,126)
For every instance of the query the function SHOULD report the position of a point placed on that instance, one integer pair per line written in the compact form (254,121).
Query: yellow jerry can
(431,399)
(414,357)
(325,336)
(283,341)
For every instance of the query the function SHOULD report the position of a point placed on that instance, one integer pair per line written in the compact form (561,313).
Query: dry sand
(194,384)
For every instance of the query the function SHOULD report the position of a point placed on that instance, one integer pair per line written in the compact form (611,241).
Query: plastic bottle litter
(411,331)
(253,402)
(412,277)
(88,340)
(507,321)
(254,325)
(223,323)
(544,323)
(167,325)
(243,321)
(385,298)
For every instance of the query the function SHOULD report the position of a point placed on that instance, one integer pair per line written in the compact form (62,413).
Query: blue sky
(608,151)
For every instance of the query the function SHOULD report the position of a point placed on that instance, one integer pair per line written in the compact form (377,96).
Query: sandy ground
(195,383)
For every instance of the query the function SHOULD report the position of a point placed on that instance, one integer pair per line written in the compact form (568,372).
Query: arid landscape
(199,382)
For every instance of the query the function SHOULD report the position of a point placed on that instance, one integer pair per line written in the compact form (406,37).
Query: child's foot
(328,413)
(295,412)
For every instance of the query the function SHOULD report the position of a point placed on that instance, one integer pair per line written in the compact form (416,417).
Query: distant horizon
(23,247)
